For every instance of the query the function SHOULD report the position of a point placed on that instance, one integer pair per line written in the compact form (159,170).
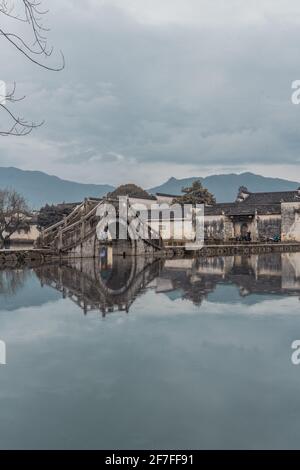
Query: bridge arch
(110,232)
(116,277)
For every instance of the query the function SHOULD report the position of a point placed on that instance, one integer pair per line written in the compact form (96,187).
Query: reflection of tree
(261,274)
(199,286)
(198,291)
(113,283)
(195,288)
(11,280)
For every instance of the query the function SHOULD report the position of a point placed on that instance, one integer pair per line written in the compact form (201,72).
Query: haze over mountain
(39,188)
(225,187)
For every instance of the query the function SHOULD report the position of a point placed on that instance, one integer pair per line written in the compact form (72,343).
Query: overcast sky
(160,88)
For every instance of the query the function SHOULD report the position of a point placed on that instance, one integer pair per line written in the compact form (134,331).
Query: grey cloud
(167,94)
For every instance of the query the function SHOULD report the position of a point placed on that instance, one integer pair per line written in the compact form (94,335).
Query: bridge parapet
(76,234)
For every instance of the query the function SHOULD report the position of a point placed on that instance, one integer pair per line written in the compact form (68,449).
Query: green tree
(51,214)
(195,194)
(131,190)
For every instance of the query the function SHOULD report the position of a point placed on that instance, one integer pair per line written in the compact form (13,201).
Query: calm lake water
(125,354)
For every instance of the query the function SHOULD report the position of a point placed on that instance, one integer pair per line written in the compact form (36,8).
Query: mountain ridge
(39,188)
(225,186)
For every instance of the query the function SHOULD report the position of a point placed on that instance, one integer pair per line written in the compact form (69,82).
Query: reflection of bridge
(106,285)
(76,237)
(113,283)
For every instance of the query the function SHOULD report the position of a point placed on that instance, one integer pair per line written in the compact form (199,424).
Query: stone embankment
(10,258)
(235,249)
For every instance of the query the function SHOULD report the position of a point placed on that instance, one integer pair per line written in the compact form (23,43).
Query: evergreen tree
(195,194)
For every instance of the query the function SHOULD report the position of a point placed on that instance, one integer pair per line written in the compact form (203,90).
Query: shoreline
(9,258)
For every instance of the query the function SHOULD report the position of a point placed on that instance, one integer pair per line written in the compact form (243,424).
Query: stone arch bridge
(76,235)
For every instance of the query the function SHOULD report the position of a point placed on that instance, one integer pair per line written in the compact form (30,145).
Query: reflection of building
(255,274)
(113,283)
(291,272)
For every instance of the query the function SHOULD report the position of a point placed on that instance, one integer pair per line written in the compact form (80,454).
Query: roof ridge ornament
(243,194)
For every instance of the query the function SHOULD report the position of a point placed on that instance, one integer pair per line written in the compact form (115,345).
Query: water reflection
(113,283)
(101,285)
(164,376)
(11,281)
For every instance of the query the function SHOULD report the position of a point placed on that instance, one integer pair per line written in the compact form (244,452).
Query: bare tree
(14,214)
(11,280)
(33,45)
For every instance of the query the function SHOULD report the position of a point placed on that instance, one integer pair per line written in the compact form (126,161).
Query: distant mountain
(225,187)
(39,188)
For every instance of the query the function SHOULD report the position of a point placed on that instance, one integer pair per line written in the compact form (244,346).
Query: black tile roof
(272,197)
(264,203)
(149,197)
(240,208)
(168,195)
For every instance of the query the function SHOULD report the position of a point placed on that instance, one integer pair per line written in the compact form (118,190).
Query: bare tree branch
(35,49)
(19,125)
(33,16)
